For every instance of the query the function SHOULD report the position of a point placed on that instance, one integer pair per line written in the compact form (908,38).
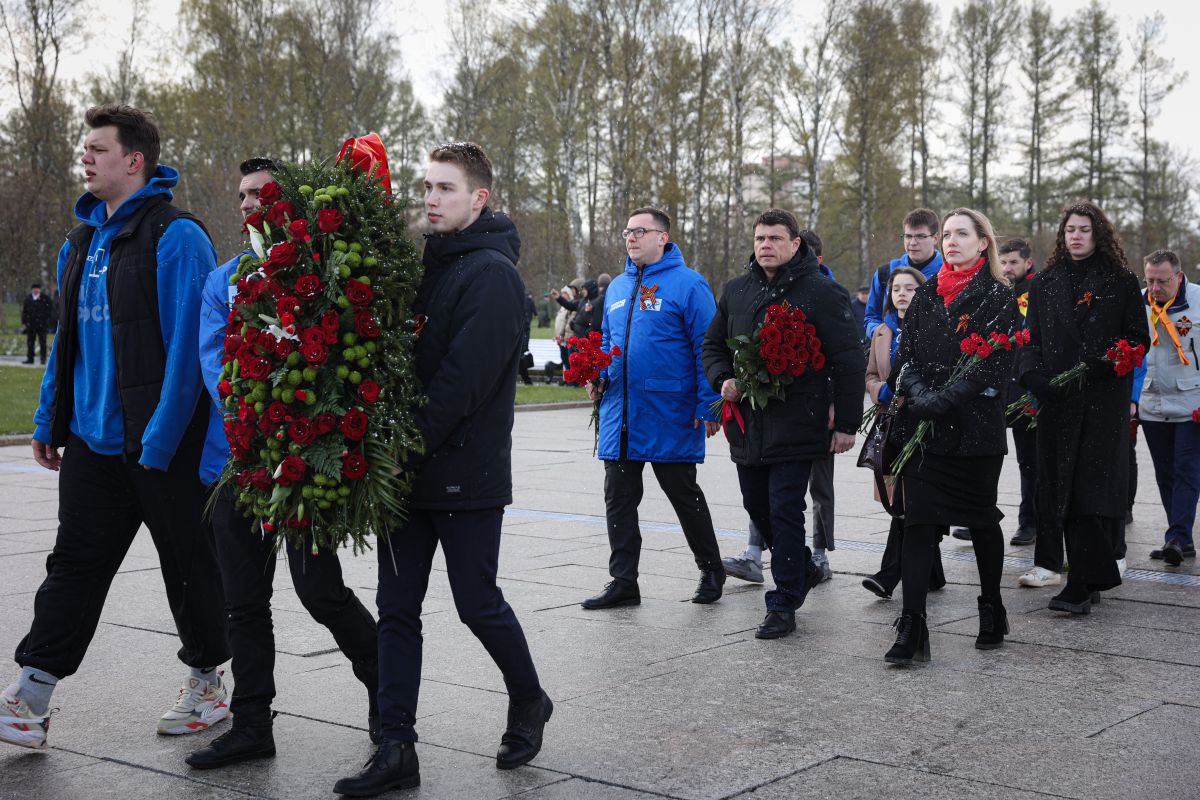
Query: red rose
(291,470)
(369,392)
(365,325)
(354,425)
(329,220)
(284,348)
(315,353)
(277,413)
(280,213)
(302,431)
(797,369)
(354,466)
(270,193)
(818,361)
(308,286)
(358,293)
(326,423)
(312,335)
(255,220)
(330,321)
(770,334)
(286,305)
(246,412)
(260,479)
(224,389)
(776,366)
(232,343)
(282,255)
(299,230)
(256,368)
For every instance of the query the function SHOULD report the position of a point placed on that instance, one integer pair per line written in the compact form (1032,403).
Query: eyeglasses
(638,233)
(916,237)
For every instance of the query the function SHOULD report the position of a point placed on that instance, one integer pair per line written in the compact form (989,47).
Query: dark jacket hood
(802,262)
(492,231)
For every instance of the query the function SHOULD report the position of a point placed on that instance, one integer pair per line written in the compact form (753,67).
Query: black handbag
(877,455)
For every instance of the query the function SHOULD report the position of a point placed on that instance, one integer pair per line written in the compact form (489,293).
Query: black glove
(1039,386)
(935,403)
(1099,369)
(910,384)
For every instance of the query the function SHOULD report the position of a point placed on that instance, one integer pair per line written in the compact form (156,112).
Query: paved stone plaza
(666,699)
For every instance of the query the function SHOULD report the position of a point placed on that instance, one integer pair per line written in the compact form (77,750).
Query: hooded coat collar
(492,231)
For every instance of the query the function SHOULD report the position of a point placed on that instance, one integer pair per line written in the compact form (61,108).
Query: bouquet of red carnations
(584,364)
(975,348)
(318,383)
(1123,356)
(781,349)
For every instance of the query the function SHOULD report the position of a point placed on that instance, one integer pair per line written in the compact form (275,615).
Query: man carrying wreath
(774,446)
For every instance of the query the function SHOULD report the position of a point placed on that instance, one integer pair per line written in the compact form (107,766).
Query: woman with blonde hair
(902,286)
(952,480)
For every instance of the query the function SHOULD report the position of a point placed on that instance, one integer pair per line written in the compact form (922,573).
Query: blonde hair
(983,229)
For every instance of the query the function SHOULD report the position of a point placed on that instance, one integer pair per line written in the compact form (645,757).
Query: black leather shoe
(776,625)
(711,580)
(239,743)
(1024,536)
(872,585)
(993,623)
(393,766)
(1172,554)
(963,534)
(1188,551)
(616,593)
(523,738)
(912,639)
(1075,599)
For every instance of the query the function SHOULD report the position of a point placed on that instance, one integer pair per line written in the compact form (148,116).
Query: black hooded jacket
(466,360)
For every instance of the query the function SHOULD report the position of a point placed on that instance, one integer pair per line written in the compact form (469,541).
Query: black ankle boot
(912,639)
(1075,597)
(394,766)
(712,578)
(523,738)
(993,623)
(239,743)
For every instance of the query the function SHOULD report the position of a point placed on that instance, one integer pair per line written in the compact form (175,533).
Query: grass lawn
(18,398)
(546,393)
(541,333)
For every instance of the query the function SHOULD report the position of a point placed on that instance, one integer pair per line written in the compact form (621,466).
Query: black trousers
(920,548)
(773,496)
(1025,443)
(1092,544)
(820,487)
(471,545)
(623,494)
(102,501)
(40,336)
(889,568)
(247,570)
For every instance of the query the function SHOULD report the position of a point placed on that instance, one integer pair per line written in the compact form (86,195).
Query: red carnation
(354,466)
(270,193)
(369,392)
(365,325)
(308,286)
(329,220)
(358,293)
(315,353)
(280,213)
(299,230)
(291,470)
(984,350)
(302,431)
(354,425)
(968,346)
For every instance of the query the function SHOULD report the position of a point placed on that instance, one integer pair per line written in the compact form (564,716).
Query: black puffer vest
(132,283)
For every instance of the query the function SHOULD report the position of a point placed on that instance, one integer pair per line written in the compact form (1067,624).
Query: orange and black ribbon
(1086,300)
(962,323)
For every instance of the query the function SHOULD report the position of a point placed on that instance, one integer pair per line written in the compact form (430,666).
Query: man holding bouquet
(774,444)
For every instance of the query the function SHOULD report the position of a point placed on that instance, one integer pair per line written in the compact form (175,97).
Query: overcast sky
(422,30)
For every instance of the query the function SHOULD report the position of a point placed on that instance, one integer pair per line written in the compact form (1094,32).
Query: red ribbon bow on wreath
(367,154)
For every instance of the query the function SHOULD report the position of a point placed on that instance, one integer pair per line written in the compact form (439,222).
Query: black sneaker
(872,585)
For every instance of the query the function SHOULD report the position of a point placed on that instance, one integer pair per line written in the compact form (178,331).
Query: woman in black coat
(1080,305)
(953,479)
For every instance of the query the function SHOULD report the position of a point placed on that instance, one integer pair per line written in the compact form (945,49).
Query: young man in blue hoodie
(123,394)
(247,557)
(921,232)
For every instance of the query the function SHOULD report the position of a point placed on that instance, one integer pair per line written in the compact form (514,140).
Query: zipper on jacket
(624,453)
(1195,358)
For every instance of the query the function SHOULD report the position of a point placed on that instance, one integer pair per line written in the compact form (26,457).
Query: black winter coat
(795,428)
(466,360)
(930,347)
(37,313)
(1014,388)
(1078,312)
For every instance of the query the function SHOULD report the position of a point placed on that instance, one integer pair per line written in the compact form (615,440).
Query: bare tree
(1098,75)
(1043,57)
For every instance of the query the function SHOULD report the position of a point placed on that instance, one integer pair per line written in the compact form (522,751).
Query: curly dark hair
(1108,241)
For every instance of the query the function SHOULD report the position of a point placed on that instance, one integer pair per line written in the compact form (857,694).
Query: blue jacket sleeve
(701,309)
(214,316)
(873,316)
(185,259)
(1139,380)
(41,417)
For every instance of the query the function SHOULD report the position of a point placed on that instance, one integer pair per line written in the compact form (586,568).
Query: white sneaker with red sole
(200,705)
(19,725)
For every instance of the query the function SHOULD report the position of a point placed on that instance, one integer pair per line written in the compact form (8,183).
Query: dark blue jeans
(1175,449)
(471,545)
(773,496)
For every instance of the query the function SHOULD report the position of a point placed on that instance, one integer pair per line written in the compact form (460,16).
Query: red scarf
(952,281)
